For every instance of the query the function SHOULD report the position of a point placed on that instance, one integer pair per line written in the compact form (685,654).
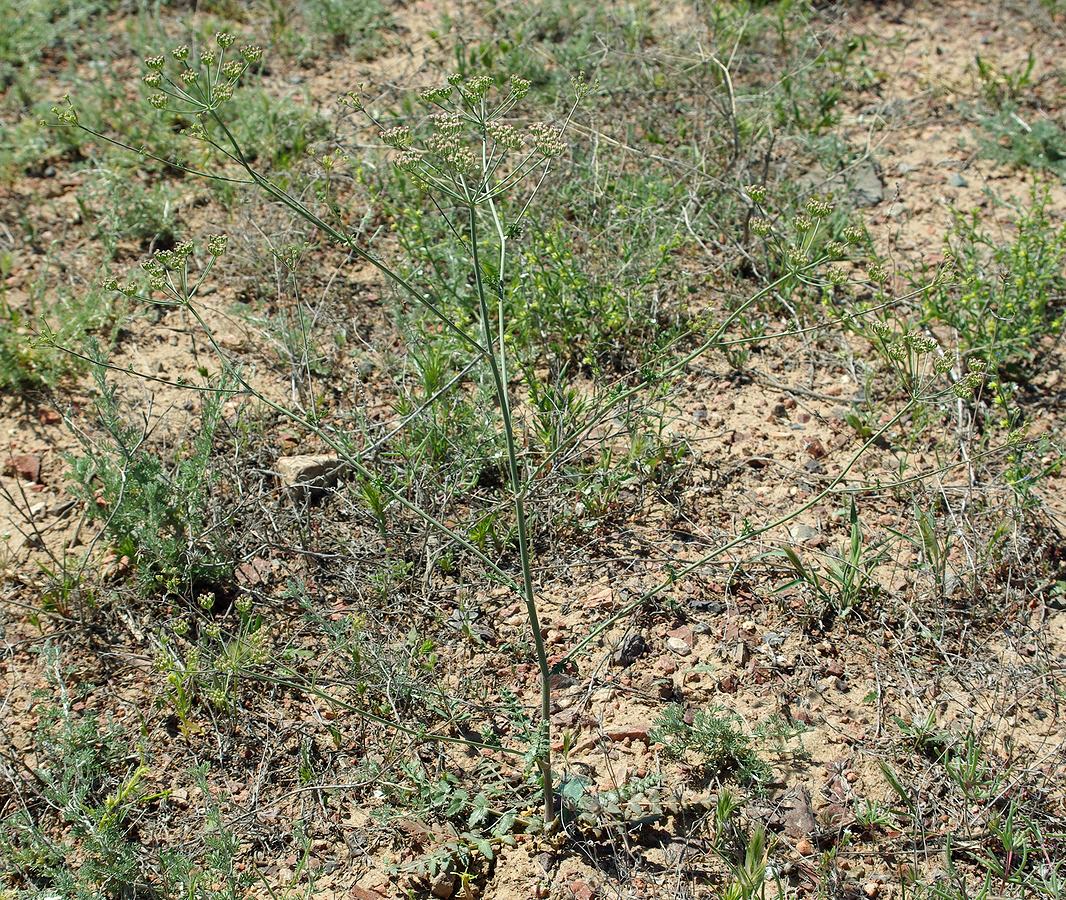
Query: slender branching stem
(518,490)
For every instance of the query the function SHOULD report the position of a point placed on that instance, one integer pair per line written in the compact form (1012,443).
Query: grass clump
(89,792)
(357,27)
(29,333)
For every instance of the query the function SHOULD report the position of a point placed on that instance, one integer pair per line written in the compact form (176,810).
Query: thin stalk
(518,489)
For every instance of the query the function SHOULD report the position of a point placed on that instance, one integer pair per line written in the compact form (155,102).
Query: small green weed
(1007,296)
(714,742)
(76,841)
(154,514)
(843,581)
(29,359)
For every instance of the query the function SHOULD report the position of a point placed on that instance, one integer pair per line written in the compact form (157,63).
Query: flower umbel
(547,139)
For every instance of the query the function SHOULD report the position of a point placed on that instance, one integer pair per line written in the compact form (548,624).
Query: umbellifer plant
(474,157)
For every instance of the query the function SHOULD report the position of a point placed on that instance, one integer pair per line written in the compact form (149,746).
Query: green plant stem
(517,489)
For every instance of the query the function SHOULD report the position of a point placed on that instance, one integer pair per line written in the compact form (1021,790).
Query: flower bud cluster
(818,207)
(446,145)
(436,95)
(796,258)
(968,384)
(159,266)
(471,138)
(477,88)
(505,135)
(547,139)
(877,274)
(398,137)
(519,86)
(910,342)
(197,86)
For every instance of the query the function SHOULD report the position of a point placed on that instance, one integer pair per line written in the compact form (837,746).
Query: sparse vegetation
(538,449)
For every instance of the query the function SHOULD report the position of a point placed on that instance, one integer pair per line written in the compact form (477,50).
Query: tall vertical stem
(518,490)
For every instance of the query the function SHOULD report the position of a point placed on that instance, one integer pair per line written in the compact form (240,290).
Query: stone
(620,733)
(580,890)
(678,646)
(683,633)
(26,466)
(631,648)
(861,183)
(815,449)
(309,472)
(865,185)
(801,533)
(799,817)
(443,886)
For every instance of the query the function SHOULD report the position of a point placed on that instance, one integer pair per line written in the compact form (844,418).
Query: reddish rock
(684,633)
(628,733)
(26,466)
(816,449)
(580,890)
(728,684)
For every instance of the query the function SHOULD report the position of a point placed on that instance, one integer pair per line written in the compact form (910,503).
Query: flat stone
(799,820)
(678,646)
(865,185)
(309,472)
(802,533)
(26,466)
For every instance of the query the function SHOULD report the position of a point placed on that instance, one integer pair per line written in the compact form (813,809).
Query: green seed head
(756,193)
(519,86)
